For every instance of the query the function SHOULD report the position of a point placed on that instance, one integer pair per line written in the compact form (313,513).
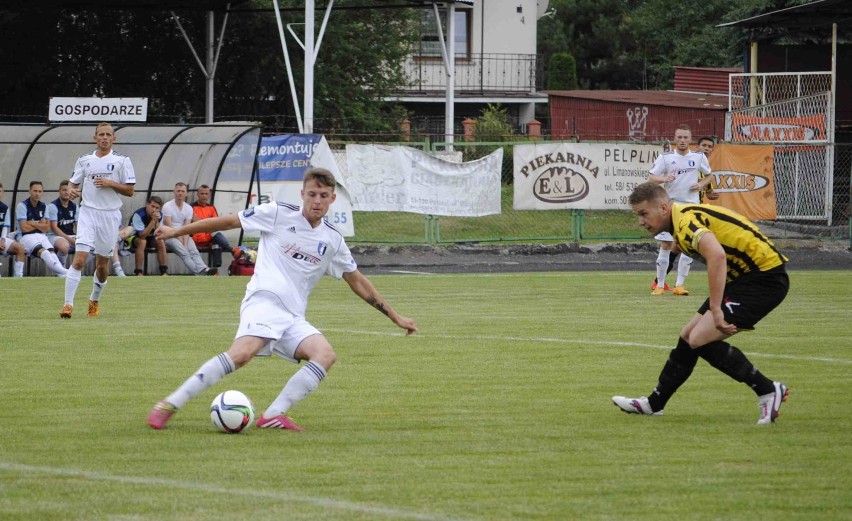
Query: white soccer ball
(232,412)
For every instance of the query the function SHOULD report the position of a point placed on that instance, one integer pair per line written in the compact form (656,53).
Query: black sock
(679,366)
(672,257)
(163,269)
(734,363)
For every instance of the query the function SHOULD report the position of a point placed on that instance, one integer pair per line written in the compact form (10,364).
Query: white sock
(683,264)
(19,268)
(116,266)
(662,266)
(97,288)
(208,374)
(299,386)
(52,262)
(72,280)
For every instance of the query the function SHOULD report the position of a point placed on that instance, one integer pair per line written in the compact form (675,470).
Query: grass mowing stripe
(584,342)
(212,489)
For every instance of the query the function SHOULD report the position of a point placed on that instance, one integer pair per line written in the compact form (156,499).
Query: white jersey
(292,256)
(687,169)
(180,216)
(112,166)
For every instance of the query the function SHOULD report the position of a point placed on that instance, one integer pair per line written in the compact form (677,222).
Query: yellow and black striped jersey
(746,247)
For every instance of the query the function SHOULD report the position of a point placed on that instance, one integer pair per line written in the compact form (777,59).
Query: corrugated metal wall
(596,120)
(702,79)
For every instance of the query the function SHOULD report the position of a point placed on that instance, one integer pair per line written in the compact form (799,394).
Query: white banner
(98,109)
(583,176)
(383,178)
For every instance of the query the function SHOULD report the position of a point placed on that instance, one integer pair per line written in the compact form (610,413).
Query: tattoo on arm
(376,304)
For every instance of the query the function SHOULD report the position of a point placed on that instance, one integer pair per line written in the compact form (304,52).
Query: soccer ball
(231,412)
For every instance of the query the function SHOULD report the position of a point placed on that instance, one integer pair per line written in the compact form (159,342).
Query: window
(430,40)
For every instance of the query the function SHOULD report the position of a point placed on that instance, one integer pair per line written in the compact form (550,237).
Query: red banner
(744,179)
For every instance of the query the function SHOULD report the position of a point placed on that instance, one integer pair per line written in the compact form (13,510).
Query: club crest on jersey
(321,247)
(110,167)
(691,163)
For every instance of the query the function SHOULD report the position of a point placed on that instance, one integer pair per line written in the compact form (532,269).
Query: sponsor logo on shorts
(730,305)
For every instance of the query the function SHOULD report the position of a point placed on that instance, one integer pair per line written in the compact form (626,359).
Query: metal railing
(510,73)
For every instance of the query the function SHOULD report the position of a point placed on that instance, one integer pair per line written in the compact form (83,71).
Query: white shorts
(4,251)
(664,236)
(54,238)
(31,240)
(263,315)
(97,230)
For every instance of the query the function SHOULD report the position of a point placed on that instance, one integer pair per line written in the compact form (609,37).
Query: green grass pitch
(497,409)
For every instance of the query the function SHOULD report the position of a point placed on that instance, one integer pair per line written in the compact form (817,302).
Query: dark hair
(36,183)
(202,186)
(156,199)
(647,192)
(64,182)
(706,138)
(684,126)
(181,183)
(322,176)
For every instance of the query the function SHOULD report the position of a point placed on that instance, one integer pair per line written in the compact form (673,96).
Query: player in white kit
(297,246)
(104,176)
(683,173)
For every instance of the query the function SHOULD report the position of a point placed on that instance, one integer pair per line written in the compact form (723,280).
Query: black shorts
(751,297)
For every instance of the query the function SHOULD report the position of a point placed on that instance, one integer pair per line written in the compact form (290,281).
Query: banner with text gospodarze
(282,162)
(383,178)
(583,176)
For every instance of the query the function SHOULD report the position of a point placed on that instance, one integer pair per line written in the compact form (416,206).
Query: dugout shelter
(220,155)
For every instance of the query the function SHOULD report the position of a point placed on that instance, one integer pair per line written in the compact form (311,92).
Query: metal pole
(451,73)
(309,67)
(210,65)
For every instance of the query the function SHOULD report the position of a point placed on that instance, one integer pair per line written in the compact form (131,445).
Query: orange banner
(745,128)
(744,179)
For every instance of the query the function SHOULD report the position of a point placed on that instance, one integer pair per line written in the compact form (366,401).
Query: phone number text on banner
(584,176)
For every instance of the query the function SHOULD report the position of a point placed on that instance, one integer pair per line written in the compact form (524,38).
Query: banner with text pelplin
(583,176)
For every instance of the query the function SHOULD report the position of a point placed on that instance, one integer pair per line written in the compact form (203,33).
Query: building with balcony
(495,62)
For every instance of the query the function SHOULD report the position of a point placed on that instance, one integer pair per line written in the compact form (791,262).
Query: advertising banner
(282,162)
(585,176)
(745,127)
(98,109)
(384,178)
(744,179)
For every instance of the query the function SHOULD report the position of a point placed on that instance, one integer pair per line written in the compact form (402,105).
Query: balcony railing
(476,73)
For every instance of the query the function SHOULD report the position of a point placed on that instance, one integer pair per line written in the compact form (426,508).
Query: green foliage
(497,408)
(562,73)
(494,125)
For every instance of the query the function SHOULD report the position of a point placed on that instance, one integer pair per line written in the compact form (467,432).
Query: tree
(142,53)
(562,72)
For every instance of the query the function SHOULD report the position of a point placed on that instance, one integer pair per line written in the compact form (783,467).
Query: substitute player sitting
(747,280)
(297,246)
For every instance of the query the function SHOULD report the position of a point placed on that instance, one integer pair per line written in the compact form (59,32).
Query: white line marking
(296,497)
(589,342)
(404,272)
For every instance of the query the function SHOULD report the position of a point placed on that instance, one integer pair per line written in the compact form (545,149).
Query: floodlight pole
(448,53)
